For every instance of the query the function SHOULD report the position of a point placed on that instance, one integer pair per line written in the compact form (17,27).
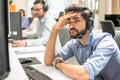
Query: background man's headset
(45,5)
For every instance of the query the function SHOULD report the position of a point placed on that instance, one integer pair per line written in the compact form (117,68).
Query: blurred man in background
(44,27)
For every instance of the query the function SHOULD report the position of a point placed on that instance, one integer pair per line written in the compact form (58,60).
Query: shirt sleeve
(66,52)
(101,55)
(30,35)
(31,32)
(34,42)
(43,37)
(41,40)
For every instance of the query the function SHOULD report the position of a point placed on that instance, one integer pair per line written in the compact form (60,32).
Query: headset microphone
(80,36)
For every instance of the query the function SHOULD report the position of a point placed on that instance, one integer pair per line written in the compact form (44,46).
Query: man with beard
(97,53)
(44,27)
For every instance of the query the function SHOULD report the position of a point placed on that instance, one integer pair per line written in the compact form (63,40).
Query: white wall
(104,8)
(55,6)
(58,5)
(108,6)
(22,4)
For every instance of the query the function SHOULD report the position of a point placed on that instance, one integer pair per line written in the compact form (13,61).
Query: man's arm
(75,72)
(50,47)
(30,35)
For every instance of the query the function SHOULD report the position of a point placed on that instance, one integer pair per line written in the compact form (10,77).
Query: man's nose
(71,25)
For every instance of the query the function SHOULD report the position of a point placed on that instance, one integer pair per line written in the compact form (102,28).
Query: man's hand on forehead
(72,14)
(66,19)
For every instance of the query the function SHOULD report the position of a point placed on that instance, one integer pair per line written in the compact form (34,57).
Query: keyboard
(35,75)
(33,60)
(32,73)
(28,61)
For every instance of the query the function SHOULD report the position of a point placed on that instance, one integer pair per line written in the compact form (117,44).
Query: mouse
(26,61)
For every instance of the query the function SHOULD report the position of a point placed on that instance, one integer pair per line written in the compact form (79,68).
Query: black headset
(89,17)
(45,5)
(90,23)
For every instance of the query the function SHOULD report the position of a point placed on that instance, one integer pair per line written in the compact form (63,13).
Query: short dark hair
(22,11)
(44,3)
(85,12)
(39,1)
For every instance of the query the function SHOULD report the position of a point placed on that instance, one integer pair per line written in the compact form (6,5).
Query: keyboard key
(35,75)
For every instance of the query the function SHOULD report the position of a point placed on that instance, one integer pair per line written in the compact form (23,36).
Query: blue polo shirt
(100,56)
(25,22)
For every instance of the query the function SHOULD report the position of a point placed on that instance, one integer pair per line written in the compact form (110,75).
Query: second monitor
(15,26)
(115,18)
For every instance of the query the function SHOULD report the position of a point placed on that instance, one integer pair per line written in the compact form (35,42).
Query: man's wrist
(56,61)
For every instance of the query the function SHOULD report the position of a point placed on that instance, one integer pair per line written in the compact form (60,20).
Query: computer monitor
(4,56)
(15,26)
(115,18)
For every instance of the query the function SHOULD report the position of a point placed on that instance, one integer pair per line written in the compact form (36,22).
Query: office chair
(117,38)
(108,26)
(118,20)
(64,35)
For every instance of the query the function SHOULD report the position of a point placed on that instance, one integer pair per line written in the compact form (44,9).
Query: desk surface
(35,49)
(17,72)
(51,71)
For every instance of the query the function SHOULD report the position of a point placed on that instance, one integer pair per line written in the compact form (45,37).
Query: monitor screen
(113,17)
(15,26)
(4,56)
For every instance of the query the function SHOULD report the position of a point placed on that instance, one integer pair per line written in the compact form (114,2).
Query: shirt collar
(43,18)
(89,38)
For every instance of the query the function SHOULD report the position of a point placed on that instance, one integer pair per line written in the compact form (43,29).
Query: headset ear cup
(45,6)
(90,23)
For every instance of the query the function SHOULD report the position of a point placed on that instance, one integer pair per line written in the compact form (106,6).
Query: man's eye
(77,20)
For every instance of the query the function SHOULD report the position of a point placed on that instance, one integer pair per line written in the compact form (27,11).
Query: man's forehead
(39,5)
(73,12)
(76,14)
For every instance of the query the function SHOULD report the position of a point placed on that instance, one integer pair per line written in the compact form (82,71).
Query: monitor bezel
(4,52)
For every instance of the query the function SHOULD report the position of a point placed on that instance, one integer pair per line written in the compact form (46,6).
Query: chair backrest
(64,35)
(108,26)
(117,38)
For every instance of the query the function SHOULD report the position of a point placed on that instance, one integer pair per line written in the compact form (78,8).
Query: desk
(37,51)
(17,72)
(51,71)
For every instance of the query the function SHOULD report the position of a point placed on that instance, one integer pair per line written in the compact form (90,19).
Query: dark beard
(79,35)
